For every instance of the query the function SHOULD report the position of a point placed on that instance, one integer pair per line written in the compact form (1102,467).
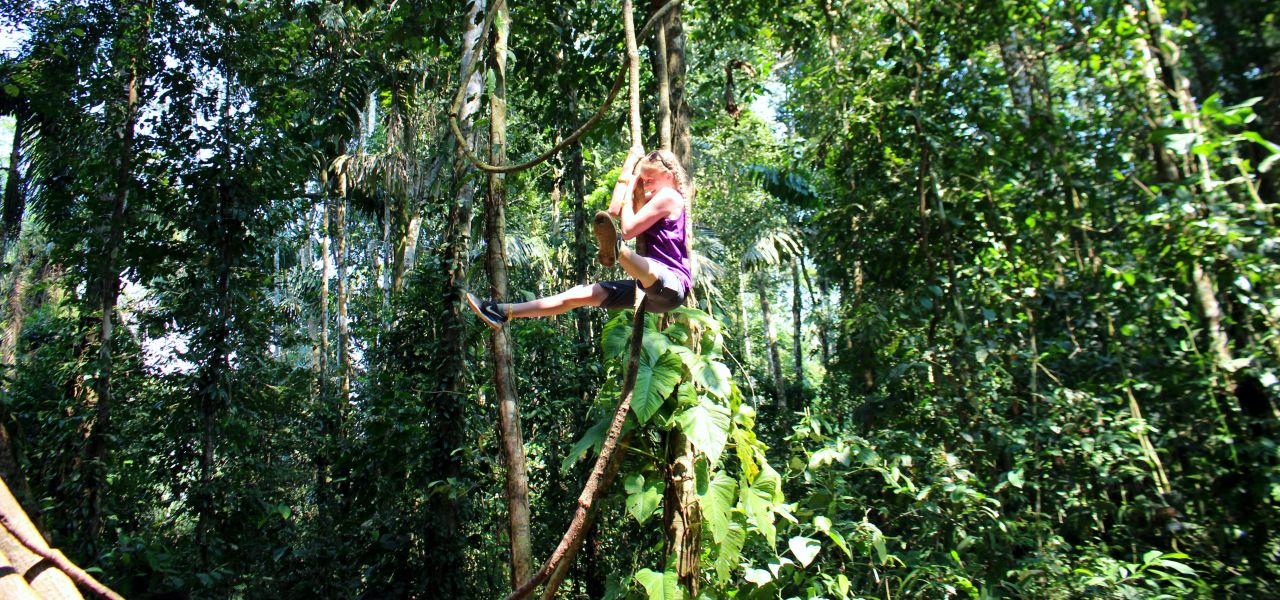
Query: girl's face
(653,178)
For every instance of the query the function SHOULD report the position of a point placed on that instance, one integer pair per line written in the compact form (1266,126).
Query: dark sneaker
(606,239)
(489,311)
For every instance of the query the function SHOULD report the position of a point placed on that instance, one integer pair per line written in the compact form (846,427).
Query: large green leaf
(744,442)
(654,382)
(617,332)
(718,504)
(760,577)
(701,318)
(713,376)
(759,500)
(729,550)
(655,344)
(643,498)
(660,586)
(707,425)
(805,549)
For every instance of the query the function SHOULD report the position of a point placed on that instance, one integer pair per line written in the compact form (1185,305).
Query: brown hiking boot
(606,239)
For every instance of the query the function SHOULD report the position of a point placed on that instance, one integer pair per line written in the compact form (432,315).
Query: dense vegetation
(987,306)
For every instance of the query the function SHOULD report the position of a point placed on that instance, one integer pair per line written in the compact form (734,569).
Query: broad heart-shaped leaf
(759,577)
(660,586)
(758,500)
(643,498)
(654,382)
(701,318)
(655,344)
(713,376)
(718,503)
(687,395)
(690,359)
(707,425)
(805,549)
(729,550)
(616,334)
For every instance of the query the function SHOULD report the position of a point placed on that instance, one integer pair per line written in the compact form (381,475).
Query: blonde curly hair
(667,161)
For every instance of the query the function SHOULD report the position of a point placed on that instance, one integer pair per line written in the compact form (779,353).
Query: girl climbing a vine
(650,202)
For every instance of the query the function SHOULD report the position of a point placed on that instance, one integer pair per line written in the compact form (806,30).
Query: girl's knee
(598,294)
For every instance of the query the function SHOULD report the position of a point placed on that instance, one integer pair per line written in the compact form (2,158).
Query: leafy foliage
(1029,252)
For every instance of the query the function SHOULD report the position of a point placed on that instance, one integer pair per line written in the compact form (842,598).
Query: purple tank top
(665,241)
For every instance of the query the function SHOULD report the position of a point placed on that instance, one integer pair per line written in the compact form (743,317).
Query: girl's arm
(666,204)
(626,184)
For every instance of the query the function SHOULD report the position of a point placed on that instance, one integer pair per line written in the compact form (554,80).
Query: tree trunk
(1013,55)
(662,75)
(575,173)
(405,252)
(682,519)
(109,278)
(517,487)
(681,516)
(214,390)
(322,350)
(797,342)
(824,320)
(746,323)
(14,203)
(1176,85)
(344,334)
(681,114)
(1178,98)
(771,339)
(449,433)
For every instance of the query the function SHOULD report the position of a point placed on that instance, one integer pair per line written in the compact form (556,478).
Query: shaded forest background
(995,285)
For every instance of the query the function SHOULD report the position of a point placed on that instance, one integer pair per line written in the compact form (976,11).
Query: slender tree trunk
(771,339)
(344,334)
(681,113)
(1166,163)
(450,430)
(682,519)
(1013,55)
(1176,85)
(1177,97)
(109,274)
(575,173)
(797,301)
(14,203)
(517,487)
(662,75)
(214,389)
(405,253)
(322,350)
(922,172)
(743,317)
(822,305)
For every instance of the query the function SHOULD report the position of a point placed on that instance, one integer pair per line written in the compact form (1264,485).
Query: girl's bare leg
(638,266)
(582,295)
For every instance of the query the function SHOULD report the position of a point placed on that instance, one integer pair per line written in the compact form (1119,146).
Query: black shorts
(665,295)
